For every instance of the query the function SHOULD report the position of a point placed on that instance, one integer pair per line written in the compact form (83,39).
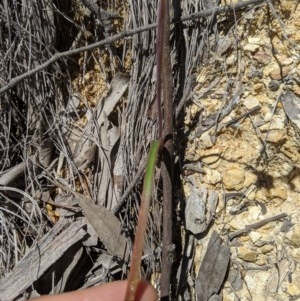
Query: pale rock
(247,93)
(266,249)
(229,118)
(258,88)
(268,228)
(228,295)
(241,151)
(238,221)
(284,60)
(274,136)
(250,178)
(233,178)
(293,289)
(267,112)
(296,183)
(293,237)
(251,195)
(288,6)
(268,68)
(256,283)
(261,260)
(250,102)
(255,40)
(211,156)
(87,76)
(244,238)
(234,224)
(277,123)
(296,88)
(231,60)
(297,23)
(279,73)
(213,176)
(262,57)
(205,140)
(261,194)
(246,254)
(251,47)
(286,168)
(279,191)
(254,236)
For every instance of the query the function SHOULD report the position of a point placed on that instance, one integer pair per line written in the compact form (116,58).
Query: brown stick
(167,163)
(127,33)
(257,225)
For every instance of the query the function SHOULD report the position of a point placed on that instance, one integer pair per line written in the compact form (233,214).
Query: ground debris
(213,269)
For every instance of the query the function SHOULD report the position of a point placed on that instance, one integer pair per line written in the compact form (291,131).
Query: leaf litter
(217,127)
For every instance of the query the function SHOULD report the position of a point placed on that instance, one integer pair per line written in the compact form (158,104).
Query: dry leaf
(291,105)
(213,269)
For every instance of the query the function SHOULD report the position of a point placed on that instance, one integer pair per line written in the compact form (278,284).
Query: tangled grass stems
(16,227)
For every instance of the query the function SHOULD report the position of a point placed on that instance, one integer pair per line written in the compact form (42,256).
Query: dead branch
(127,33)
(257,225)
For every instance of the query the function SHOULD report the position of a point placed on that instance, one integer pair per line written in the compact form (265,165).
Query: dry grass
(50,132)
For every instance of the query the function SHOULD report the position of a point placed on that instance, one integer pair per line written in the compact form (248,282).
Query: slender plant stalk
(167,157)
(159,62)
(164,88)
(137,252)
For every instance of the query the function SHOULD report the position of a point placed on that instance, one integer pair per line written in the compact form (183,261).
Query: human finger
(114,291)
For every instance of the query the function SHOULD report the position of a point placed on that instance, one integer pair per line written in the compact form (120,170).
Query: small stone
(255,40)
(213,176)
(250,102)
(275,136)
(279,73)
(296,183)
(254,236)
(262,57)
(205,140)
(293,289)
(293,237)
(258,87)
(257,286)
(284,60)
(251,47)
(252,195)
(273,85)
(261,260)
(246,254)
(87,76)
(231,60)
(266,249)
(233,178)
(250,178)
(278,192)
(255,73)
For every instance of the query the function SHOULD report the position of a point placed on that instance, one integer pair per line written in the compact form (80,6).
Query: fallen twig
(127,33)
(257,225)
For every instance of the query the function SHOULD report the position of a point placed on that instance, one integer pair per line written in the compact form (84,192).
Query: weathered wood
(40,257)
